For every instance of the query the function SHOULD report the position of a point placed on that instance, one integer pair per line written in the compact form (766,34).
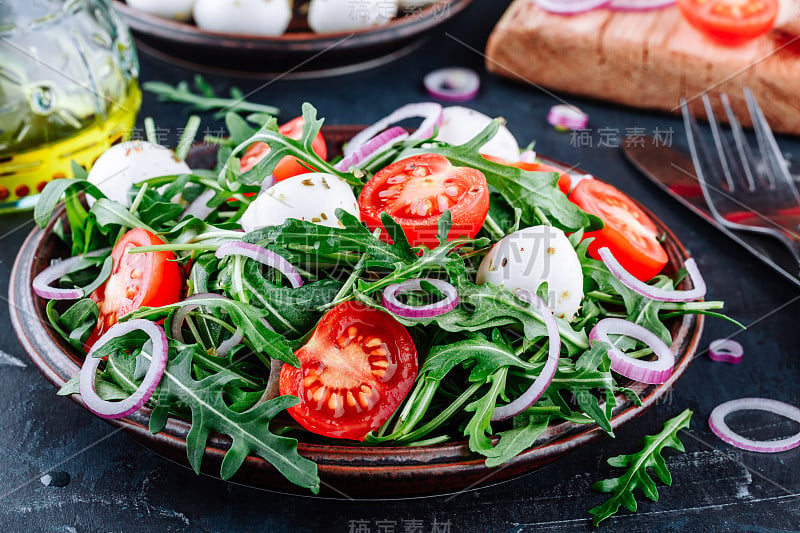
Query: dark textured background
(117,485)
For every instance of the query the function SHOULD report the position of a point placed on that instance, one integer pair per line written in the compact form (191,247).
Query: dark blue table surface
(116,485)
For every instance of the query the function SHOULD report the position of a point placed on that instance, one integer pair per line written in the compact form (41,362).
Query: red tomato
(564,181)
(288,166)
(628,232)
(150,279)
(417,190)
(730,21)
(354,372)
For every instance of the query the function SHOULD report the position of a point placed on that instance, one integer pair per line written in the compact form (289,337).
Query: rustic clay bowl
(297,53)
(346,471)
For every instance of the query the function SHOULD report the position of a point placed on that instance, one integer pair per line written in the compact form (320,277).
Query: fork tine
(705,166)
(721,144)
(763,143)
(770,151)
(742,146)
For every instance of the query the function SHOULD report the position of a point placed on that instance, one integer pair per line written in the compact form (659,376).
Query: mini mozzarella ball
(168,9)
(529,257)
(313,197)
(246,17)
(331,16)
(126,164)
(460,124)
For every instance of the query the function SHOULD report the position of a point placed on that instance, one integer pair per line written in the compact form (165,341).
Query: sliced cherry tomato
(288,166)
(730,21)
(149,279)
(417,190)
(628,232)
(564,181)
(354,372)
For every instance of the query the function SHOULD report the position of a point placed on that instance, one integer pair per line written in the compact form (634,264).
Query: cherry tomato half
(149,279)
(354,372)
(628,232)
(730,21)
(417,190)
(288,166)
(564,181)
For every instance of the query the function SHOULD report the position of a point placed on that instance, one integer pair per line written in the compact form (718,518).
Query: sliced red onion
(570,7)
(263,256)
(41,283)
(453,84)
(567,117)
(639,5)
(528,156)
(540,384)
(726,351)
(655,293)
(654,372)
(431,113)
(392,304)
(180,317)
(135,401)
(717,423)
(199,207)
(378,144)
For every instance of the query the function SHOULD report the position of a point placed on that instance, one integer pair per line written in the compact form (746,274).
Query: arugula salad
(426,287)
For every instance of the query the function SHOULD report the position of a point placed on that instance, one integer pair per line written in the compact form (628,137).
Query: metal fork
(746,188)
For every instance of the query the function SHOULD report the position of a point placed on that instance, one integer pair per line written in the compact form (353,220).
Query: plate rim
(389,466)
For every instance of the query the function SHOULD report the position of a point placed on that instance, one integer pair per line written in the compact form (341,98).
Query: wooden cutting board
(646,59)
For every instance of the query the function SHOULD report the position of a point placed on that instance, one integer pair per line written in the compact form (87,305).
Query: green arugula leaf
(479,426)
(249,430)
(637,476)
(591,371)
(482,356)
(291,312)
(527,190)
(313,244)
(246,318)
(516,440)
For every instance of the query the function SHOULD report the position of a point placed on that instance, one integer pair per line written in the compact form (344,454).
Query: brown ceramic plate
(297,53)
(365,472)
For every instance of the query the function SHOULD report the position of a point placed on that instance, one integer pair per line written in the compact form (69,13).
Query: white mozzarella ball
(529,257)
(126,164)
(168,9)
(460,124)
(331,16)
(313,197)
(244,17)
(788,13)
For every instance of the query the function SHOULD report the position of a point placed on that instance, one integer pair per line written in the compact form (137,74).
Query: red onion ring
(528,156)
(452,84)
(41,283)
(639,5)
(726,351)
(199,207)
(540,384)
(431,113)
(655,293)
(155,371)
(263,256)
(567,117)
(392,304)
(570,7)
(372,147)
(654,372)
(180,317)
(717,423)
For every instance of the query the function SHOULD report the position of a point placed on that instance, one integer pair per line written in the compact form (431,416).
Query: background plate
(346,471)
(297,53)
